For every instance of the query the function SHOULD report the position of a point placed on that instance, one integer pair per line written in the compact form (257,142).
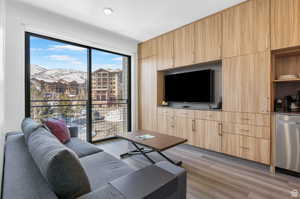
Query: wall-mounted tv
(196,86)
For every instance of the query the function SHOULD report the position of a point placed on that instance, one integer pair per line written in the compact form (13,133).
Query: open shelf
(287,80)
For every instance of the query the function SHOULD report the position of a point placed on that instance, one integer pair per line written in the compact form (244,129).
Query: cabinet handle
(220,129)
(246,148)
(245,119)
(194,125)
(245,130)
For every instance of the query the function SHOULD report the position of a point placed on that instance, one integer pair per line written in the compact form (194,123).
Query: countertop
(189,108)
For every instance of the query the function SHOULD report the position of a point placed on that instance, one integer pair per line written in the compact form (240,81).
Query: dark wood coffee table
(157,144)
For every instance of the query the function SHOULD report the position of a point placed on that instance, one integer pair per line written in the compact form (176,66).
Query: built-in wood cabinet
(147,93)
(285,23)
(246,28)
(148,49)
(242,37)
(184,45)
(213,138)
(246,83)
(255,149)
(208,39)
(230,144)
(244,135)
(165,51)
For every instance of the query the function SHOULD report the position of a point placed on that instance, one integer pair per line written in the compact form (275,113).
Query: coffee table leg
(143,153)
(163,155)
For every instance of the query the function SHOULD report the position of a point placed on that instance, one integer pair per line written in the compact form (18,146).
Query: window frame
(89,79)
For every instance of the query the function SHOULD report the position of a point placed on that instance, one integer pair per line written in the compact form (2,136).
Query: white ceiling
(137,19)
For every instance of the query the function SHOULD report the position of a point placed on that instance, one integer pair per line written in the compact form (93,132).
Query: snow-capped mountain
(57,75)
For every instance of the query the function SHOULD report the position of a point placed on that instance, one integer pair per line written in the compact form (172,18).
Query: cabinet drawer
(208,115)
(247,118)
(261,119)
(185,113)
(247,130)
(165,111)
(230,144)
(255,149)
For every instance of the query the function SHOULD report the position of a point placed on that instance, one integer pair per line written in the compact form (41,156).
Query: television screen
(197,86)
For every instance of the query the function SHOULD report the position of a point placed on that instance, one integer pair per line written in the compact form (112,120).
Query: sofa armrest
(105,192)
(151,182)
(180,174)
(73,131)
(158,181)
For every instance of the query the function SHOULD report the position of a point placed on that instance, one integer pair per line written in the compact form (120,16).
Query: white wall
(21,18)
(2,47)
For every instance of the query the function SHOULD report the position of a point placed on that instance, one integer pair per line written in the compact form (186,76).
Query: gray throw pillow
(58,164)
(28,126)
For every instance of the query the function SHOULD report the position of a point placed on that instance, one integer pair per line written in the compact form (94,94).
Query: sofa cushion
(21,177)
(58,164)
(82,148)
(28,126)
(102,168)
(59,129)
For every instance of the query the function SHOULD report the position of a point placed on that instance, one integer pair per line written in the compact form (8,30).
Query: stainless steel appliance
(288,142)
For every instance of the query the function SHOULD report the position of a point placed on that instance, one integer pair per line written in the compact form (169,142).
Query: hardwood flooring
(216,176)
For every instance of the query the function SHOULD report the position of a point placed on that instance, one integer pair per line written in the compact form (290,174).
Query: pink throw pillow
(59,129)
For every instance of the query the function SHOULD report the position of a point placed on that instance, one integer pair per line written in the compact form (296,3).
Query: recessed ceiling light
(108,11)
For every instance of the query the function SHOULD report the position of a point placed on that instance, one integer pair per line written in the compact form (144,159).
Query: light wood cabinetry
(184,40)
(231,144)
(147,92)
(258,119)
(255,149)
(213,136)
(147,49)
(208,39)
(185,128)
(285,23)
(200,133)
(246,83)
(244,135)
(246,28)
(247,141)
(165,51)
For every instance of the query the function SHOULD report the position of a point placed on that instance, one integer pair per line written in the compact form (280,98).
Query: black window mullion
(89,100)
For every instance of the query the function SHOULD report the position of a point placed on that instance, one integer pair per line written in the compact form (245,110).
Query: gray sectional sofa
(27,174)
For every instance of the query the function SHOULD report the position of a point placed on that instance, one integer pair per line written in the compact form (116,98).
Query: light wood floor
(216,176)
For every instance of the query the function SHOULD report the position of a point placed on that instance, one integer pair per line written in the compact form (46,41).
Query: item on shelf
(284,77)
(294,107)
(164,103)
(287,103)
(298,98)
(278,105)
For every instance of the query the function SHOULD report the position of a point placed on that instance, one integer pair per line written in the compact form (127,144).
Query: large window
(86,87)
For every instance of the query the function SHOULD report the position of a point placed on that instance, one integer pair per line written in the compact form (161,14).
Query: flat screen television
(197,86)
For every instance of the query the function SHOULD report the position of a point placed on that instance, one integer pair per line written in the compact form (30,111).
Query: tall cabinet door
(246,28)
(165,51)
(285,23)
(208,39)
(148,107)
(200,133)
(184,46)
(185,128)
(213,139)
(246,83)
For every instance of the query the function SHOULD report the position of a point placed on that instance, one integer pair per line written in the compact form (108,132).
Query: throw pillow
(59,129)
(59,165)
(28,126)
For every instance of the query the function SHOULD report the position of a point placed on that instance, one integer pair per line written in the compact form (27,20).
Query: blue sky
(53,55)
